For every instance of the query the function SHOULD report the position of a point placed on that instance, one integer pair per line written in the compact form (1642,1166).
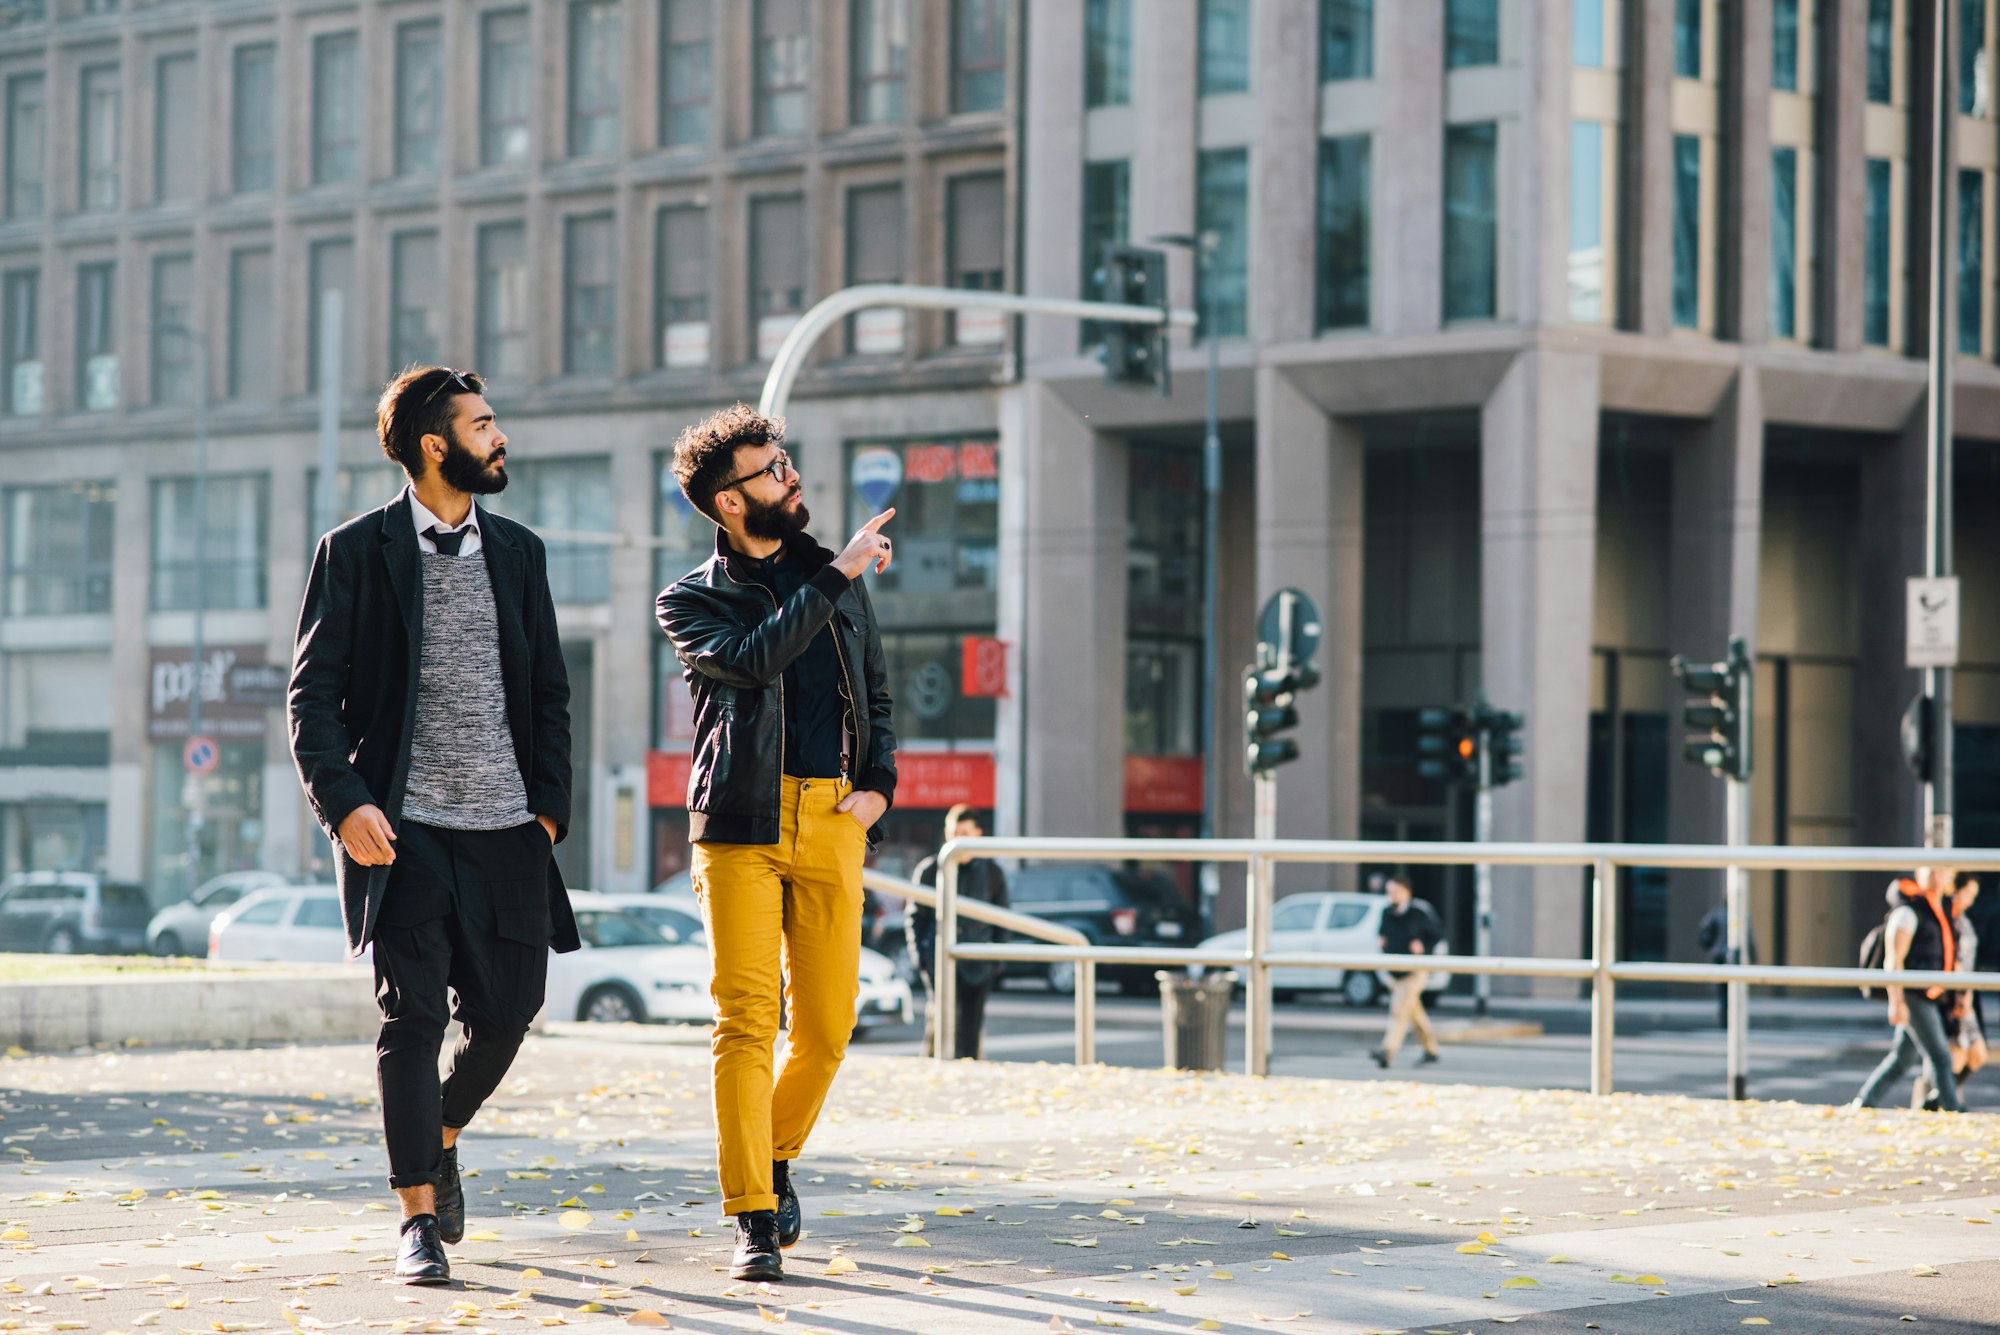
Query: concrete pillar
(1409,166)
(286,826)
(1646,173)
(127,818)
(1841,207)
(1309,536)
(1542,241)
(1538,541)
(1745,251)
(1894,479)
(1053,120)
(627,645)
(1165,79)
(1285,173)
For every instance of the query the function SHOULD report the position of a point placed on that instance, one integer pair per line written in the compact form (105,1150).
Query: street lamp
(173,329)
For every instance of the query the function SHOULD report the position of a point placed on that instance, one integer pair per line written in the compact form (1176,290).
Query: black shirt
(1416,922)
(815,720)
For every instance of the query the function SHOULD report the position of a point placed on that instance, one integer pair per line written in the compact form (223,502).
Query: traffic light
(1502,729)
(1134,353)
(1720,713)
(1448,745)
(1268,695)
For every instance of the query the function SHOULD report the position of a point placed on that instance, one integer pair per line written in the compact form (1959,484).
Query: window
(881,60)
(27,120)
(777,271)
(1587,229)
(783,66)
(1344,258)
(589,266)
(1471,280)
(1687,231)
(419,98)
(318,912)
(359,490)
(336,108)
(96,337)
(1222,220)
(595,48)
(1784,241)
(59,548)
(173,367)
(1972,78)
(1471,33)
(1107,53)
(416,331)
(267,914)
(1687,38)
(330,268)
(20,306)
(1785,45)
(253,162)
(685,83)
(1971,258)
(98,137)
(1875,256)
(253,364)
(1881,50)
(978,258)
(572,494)
(1225,46)
(503,338)
(1107,221)
(506,88)
(1586,33)
(682,270)
(979,55)
(232,566)
(1346,40)
(875,255)
(176,130)
(1297,915)
(1163,602)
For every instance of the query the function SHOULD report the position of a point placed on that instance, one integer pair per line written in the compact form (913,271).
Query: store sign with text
(238,689)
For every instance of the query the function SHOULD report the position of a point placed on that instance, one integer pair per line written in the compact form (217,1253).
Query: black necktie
(447,540)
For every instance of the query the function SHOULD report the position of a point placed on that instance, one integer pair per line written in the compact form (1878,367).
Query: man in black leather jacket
(794,763)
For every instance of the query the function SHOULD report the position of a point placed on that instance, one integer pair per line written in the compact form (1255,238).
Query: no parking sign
(200,755)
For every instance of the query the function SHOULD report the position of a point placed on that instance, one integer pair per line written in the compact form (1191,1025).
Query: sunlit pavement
(235,1191)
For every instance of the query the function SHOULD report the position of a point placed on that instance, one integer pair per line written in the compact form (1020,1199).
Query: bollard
(1194,1019)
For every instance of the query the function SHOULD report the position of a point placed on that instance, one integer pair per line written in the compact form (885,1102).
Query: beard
(776,521)
(465,471)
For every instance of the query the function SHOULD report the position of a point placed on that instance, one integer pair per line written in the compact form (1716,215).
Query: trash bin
(1194,1016)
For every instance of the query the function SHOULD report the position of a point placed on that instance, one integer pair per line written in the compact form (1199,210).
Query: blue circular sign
(201,755)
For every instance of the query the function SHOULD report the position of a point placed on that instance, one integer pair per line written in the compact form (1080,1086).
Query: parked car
(72,912)
(289,923)
(679,921)
(1110,905)
(1330,921)
(182,928)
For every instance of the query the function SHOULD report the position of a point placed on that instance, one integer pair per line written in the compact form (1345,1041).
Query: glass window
(1586,33)
(1295,915)
(1107,53)
(881,61)
(979,55)
(684,72)
(777,271)
(1222,219)
(176,130)
(252,332)
(1881,50)
(688,539)
(233,562)
(419,98)
(1875,256)
(1971,258)
(416,330)
(1687,38)
(1687,230)
(506,88)
(978,256)
(572,495)
(98,127)
(1163,601)
(784,66)
(318,912)
(1586,221)
(589,295)
(96,337)
(1972,78)
(1107,221)
(59,548)
(253,159)
(264,913)
(1471,235)
(503,337)
(330,268)
(1471,33)
(875,255)
(360,490)
(1785,45)
(1346,40)
(1225,46)
(173,369)
(1784,241)
(336,108)
(20,306)
(27,119)
(682,270)
(594,83)
(1344,255)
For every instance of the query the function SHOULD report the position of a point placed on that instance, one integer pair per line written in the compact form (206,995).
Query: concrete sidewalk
(242,1191)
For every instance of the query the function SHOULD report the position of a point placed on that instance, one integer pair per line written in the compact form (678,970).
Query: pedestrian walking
(1713,937)
(1409,927)
(1966,1027)
(980,879)
(429,712)
(1918,934)
(794,763)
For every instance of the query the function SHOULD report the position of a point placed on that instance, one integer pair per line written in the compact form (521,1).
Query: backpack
(1874,953)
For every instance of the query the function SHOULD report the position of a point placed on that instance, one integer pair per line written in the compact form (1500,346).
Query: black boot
(757,1247)
(450,1199)
(791,1221)
(420,1259)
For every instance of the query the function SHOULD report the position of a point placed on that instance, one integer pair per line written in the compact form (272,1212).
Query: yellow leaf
(631,1235)
(572,1203)
(1208,1325)
(840,1265)
(1488,1238)
(909,1240)
(531,1273)
(1188,1289)
(592,1307)
(14,1235)
(483,1235)
(1521,1282)
(950,1212)
(1560,1260)
(1471,1248)
(1279,1256)
(1753,1321)
(1220,1274)
(646,1316)
(574,1220)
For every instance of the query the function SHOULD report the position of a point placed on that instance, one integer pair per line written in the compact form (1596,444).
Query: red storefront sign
(1163,783)
(925,780)
(982,672)
(667,778)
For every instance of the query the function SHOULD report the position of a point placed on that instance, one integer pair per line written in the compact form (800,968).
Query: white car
(1330,921)
(290,923)
(626,971)
(181,928)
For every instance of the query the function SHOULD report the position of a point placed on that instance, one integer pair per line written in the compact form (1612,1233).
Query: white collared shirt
(425,519)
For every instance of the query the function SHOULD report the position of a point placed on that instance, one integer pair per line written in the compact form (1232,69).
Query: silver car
(182,928)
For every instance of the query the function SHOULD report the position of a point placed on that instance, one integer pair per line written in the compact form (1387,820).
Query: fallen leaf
(574,1220)
(840,1265)
(1521,1282)
(646,1316)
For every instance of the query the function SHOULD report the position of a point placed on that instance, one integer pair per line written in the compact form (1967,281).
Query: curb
(289,1005)
(1488,1031)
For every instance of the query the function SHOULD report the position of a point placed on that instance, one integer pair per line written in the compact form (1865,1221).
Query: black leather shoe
(420,1259)
(1428,1059)
(791,1221)
(450,1199)
(1379,1057)
(757,1247)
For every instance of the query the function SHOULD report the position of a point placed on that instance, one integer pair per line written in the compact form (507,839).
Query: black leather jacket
(734,643)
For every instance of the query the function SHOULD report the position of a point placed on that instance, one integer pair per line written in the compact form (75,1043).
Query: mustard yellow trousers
(784,915)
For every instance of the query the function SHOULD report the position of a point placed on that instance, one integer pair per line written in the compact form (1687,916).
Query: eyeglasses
(451,377)
(777,468)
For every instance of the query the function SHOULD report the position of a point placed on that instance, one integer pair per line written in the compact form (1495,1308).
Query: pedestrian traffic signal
(1448,745)
(1719,712)
(1134,353)
(1268,697)
(1502,732)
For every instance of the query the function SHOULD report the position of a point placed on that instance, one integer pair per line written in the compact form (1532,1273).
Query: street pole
(1738,895)
(1938,495)
(1482,873)
(328,511)
(197,786)
(1211,531)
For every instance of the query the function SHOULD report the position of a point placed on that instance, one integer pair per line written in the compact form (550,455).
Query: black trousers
(463,935)
(968,1026)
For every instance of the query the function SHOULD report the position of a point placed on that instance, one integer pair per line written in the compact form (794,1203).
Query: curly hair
(415,405)
(705,453)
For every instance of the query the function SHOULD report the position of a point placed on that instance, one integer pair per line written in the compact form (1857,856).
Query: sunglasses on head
(451,377)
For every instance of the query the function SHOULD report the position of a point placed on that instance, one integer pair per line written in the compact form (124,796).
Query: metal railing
(1602,968)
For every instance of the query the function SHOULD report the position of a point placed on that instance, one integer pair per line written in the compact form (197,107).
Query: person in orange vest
(1919,934)
(1967,1029)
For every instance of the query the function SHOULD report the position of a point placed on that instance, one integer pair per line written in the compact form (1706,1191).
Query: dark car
(72,912)
(1110,905)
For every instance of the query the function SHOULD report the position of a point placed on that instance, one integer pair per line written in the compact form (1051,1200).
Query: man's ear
(728,502)
(432,447)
